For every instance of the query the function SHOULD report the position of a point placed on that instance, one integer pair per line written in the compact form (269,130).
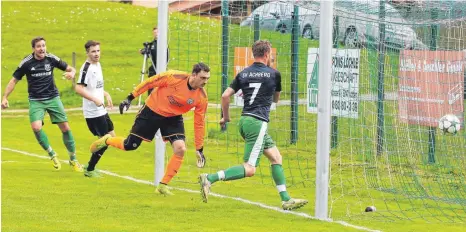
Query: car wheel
(351,38)
(281,28)
(307,32)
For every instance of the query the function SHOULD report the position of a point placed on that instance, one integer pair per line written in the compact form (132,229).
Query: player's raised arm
(70,72)
(160,80)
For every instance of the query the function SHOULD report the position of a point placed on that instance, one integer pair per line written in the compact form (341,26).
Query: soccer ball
(449,124)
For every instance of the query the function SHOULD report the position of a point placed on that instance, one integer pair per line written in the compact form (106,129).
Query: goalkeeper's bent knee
(132,143)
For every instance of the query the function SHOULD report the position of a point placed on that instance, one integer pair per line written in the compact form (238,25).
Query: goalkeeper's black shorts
(148,122)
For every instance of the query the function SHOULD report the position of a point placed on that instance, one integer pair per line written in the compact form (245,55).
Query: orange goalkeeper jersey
(172,97)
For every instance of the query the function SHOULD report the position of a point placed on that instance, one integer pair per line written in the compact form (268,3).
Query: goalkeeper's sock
(68,140)
(95,157)
(233,173)
(118,142)
(44,142)
(172,168)
(280,182)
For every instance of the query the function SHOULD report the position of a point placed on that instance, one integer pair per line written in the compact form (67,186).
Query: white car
(358,22)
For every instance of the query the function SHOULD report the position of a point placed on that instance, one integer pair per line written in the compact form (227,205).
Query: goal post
(324,111)
(162,45)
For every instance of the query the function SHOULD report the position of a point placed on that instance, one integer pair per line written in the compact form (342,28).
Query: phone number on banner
(345,105)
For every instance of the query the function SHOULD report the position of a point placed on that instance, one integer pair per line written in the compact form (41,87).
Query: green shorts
(53,106)
(254,132)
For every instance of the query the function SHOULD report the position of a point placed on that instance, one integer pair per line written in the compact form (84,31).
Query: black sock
(95,159)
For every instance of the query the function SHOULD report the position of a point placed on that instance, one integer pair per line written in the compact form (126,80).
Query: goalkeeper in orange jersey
(175,93)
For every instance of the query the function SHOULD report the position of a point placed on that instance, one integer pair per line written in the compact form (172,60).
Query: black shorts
(100,126)
(148,122)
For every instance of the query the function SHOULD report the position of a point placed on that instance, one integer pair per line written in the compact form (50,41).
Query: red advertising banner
(431,84)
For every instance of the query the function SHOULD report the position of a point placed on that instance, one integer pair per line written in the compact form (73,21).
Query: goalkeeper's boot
(56,163)
(99,143)
(76,166)
(163,190)
(293,204)
(205,187)
(92,174)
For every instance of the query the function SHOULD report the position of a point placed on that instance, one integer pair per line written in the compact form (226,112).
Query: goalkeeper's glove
(126,103)
(200,158)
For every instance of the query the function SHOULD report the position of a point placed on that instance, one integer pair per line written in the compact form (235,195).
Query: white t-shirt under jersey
(90,75)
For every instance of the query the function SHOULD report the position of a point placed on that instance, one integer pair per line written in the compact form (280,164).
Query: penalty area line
(277,209)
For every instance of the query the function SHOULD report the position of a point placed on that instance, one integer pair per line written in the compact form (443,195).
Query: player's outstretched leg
(132,142)
(233,173)
(100,143)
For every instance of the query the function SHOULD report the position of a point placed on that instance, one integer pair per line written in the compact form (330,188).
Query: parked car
(358,22)
(277,16)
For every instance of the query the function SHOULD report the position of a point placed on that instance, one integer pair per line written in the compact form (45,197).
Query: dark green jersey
(258,83)
(39,73)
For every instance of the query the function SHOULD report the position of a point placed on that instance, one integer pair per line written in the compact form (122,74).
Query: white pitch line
(305,215)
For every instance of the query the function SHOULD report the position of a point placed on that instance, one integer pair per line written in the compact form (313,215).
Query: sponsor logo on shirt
(100,84)
(42,74)
(172,101)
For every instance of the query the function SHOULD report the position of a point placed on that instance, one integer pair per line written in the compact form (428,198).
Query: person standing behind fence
(153,55)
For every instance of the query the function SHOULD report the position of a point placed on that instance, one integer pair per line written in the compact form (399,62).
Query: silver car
(358,22)
(277,16)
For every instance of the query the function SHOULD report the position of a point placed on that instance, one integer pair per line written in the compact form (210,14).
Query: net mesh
(407,169)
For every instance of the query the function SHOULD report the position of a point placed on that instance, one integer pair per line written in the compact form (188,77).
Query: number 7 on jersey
(256,87)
